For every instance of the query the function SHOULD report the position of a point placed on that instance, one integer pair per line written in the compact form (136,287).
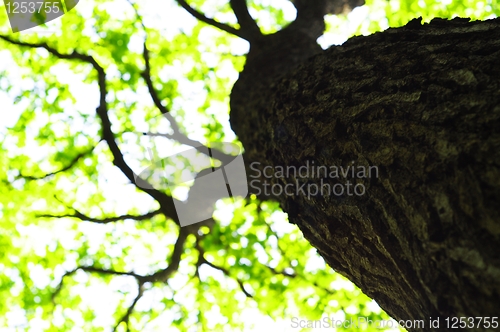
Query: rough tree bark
(422,104)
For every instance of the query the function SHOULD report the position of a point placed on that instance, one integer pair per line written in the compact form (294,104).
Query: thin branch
(99,270)
(146,74)
(201,17)
(202,260)
(72,56)
(81,216)
(226,272)
(283,272)
(203,149)
(159,276)
(177,135)
(92,269)
(295,275)
(72,163)
(126,317)
(139,17)
(60,285)
(140,282)
(175,259)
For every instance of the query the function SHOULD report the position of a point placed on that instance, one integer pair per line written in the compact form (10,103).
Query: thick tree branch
(175,259)
(72,56)
(247,23)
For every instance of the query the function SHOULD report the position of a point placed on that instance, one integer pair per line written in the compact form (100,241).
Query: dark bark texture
(422,104)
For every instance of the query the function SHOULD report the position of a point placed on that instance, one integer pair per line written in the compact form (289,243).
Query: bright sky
(168,17)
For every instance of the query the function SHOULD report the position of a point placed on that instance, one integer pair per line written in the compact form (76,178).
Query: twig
(202,260)
(64,169)
(226,272)
(126,317)
(159,276)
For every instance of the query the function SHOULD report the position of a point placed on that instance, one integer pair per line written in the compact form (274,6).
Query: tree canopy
(83,247)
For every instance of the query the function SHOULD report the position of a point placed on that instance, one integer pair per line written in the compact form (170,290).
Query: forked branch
(162,275)
(247,23)
(177,135)
(165,201)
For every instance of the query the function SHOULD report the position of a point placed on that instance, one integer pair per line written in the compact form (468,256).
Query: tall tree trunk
(421,105)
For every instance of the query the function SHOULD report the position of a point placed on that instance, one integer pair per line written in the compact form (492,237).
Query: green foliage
(378,15)
(50,125)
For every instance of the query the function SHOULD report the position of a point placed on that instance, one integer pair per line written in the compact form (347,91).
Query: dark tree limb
(126,317)
(70,165)
(177,134)
(146,75)
(175,259)
(202,260)
(228,274)
(269,58)
(166,202)
(282,272)
(210,21)
(71,56)
(92,269)
(83,217)
(247,23)
(162,275)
